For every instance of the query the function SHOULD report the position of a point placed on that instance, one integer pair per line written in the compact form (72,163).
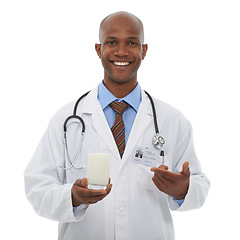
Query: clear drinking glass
(98,169)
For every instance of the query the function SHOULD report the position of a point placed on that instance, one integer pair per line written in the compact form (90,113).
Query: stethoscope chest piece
(158,141)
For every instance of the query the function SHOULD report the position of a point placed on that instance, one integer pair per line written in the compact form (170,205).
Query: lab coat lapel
(99,123)
(142,120)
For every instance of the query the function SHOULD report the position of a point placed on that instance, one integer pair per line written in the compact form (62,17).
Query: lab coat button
(122,208)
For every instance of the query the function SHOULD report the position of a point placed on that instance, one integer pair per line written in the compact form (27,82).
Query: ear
(98,49)
(144,50)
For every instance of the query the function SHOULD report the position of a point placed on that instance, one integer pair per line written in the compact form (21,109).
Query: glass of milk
(98,169)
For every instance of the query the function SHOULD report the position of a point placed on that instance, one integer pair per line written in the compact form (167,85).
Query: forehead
(121,26)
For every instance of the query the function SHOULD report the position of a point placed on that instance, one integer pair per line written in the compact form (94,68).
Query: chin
(123,80)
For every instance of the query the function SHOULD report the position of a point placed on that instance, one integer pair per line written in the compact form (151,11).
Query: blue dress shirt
(134,99)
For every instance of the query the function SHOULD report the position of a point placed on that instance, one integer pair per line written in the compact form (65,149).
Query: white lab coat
(135,209)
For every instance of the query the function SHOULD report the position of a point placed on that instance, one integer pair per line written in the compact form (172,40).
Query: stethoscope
(158,141)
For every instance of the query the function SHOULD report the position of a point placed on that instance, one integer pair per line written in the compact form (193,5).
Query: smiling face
(121,48)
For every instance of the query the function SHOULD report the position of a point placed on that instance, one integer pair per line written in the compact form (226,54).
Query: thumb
(185,169)
(81,182)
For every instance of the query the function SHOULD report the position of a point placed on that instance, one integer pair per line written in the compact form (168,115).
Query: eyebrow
(133,38)
(111,37)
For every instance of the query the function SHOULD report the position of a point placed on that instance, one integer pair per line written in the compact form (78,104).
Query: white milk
(98,170)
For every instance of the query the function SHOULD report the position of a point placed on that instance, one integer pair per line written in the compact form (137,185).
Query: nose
(121,51)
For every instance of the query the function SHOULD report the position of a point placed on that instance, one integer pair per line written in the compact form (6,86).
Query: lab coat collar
(91,106)
(90,102)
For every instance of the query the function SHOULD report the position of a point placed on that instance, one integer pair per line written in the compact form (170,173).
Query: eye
(132,43)
(111,43)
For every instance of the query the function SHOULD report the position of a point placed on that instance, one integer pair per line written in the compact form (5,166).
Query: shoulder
(171,116)
(166,109)
(58,119)
(67,110)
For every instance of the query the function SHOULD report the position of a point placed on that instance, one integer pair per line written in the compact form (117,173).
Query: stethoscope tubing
(83,124)
(77,102)
(154,112)
(75,115)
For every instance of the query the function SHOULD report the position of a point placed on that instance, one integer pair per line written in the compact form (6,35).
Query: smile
(121,63)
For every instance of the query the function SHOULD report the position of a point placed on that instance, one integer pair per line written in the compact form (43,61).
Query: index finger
(164,173)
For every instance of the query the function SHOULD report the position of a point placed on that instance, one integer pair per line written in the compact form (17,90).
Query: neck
(120,90)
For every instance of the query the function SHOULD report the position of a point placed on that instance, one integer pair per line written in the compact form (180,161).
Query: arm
(191,185)
(46,187)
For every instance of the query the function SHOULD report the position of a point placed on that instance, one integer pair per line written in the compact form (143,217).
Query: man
(137,201)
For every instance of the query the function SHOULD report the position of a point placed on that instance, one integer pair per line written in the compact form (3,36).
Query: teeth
(121,63)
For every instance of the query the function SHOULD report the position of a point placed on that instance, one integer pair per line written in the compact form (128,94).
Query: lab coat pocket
(164,160)
(75,167)
(145,175)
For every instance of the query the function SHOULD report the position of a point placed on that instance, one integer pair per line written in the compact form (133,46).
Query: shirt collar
(105,97)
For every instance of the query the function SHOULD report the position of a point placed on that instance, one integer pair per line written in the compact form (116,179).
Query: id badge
(145,156)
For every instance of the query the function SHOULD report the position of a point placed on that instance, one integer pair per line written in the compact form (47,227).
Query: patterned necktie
(118,128)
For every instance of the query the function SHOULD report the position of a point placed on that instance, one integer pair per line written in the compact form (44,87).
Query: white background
(47,59)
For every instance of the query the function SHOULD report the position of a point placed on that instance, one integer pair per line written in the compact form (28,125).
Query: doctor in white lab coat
(137,201)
